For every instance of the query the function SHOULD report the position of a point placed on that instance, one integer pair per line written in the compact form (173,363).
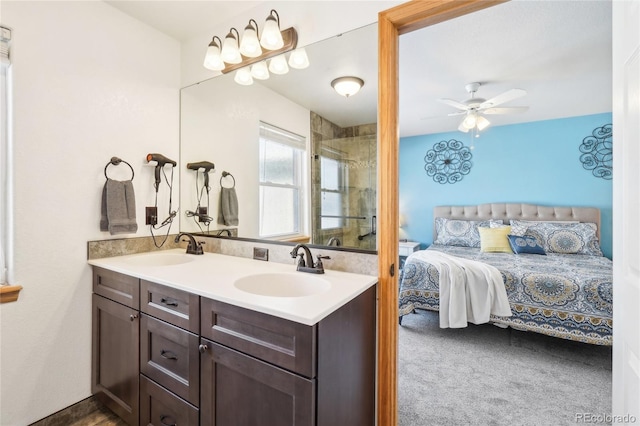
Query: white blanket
(470,291)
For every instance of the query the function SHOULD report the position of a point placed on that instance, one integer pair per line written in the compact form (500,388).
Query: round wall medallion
(597,152)
(448,161)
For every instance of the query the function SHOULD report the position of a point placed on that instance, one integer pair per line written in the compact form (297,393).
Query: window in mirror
(282,191)
(331,188)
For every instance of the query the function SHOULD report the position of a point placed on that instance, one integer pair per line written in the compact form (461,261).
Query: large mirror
(299,158)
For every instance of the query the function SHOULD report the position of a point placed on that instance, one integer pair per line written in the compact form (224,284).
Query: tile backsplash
(359,263)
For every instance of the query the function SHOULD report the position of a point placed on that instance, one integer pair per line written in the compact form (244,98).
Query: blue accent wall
(536,163)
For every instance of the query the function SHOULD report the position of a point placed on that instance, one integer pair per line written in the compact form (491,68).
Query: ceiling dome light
(271,36)
(347,86)
(230,52)
(213,59)
(278,65)
(299,59)
(250,45)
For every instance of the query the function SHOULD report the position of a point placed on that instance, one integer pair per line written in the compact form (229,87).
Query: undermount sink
(160,259)
(282,284)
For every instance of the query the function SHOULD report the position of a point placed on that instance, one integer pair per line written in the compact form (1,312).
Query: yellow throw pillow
(494,240)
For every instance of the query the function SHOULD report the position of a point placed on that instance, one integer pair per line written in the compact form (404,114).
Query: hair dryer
(161,160)
(206,165)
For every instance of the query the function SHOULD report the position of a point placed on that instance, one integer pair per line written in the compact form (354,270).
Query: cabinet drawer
(285,343)
(174,306)
(159,407)
(117,287)
(238,390)
(169,355)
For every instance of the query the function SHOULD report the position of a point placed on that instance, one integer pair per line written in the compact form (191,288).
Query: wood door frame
(392,23)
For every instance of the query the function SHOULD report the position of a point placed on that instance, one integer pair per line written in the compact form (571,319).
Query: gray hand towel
(228,212)
(118,213)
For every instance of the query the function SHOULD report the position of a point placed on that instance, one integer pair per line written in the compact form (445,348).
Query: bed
(565,293)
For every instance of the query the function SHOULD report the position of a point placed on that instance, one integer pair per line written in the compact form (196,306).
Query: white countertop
(213,275)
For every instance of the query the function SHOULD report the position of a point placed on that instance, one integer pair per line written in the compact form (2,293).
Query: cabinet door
(115,372)
(238,390)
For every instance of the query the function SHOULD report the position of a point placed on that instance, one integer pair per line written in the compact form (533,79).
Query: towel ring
(115,161)
(224,175)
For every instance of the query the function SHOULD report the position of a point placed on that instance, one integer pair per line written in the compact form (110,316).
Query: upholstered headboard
(507,211)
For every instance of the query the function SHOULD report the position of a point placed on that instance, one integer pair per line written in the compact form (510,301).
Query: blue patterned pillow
(574,238)
(525,244)
(462,233)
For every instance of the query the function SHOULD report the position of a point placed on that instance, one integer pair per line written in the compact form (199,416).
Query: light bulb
(278,65)
(271,36)
(230,53)
(250,45)
(298,59)
(260,71)
(469,121)
(243,77)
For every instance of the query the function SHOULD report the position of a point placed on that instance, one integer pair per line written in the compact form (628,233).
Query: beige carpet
(485,375)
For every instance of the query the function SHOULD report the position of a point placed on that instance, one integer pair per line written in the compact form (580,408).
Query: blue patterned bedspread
(561,295)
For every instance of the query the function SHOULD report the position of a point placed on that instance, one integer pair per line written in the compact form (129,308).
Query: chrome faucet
(193,247)
(308,265)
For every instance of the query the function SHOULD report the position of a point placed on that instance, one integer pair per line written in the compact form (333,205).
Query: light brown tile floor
(100,417)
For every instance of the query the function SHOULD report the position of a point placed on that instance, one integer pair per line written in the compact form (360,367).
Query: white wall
(221,124)
(89,83)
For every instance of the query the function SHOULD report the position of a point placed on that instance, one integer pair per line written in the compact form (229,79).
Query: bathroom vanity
(220,340)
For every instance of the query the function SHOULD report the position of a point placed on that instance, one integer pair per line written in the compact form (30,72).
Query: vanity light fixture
(271,36)
(278,65)
(230,51)
(254,50)
(299,59)
(213,59)
(250,45)
(260,71)
(347,86)
(243,76)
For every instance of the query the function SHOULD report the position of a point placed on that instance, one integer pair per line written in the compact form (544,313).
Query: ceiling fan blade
(505,110)
(507,96)
(453,114)
(454,104)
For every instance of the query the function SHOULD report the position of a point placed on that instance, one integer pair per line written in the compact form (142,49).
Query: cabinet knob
(167,420)
(202,348)
(132,317)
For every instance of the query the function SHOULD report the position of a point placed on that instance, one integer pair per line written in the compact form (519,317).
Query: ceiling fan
(474,108)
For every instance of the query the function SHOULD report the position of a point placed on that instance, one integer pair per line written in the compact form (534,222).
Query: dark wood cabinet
(115,372)
(260,370)
(163,356)
(240,390)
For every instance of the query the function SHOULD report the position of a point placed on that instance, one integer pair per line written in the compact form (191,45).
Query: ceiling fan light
(299,59)
(347,86)
(482,123)
(278,65)
(243,77)
(249,44)
(230,52)
(470,121)
(271,36)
